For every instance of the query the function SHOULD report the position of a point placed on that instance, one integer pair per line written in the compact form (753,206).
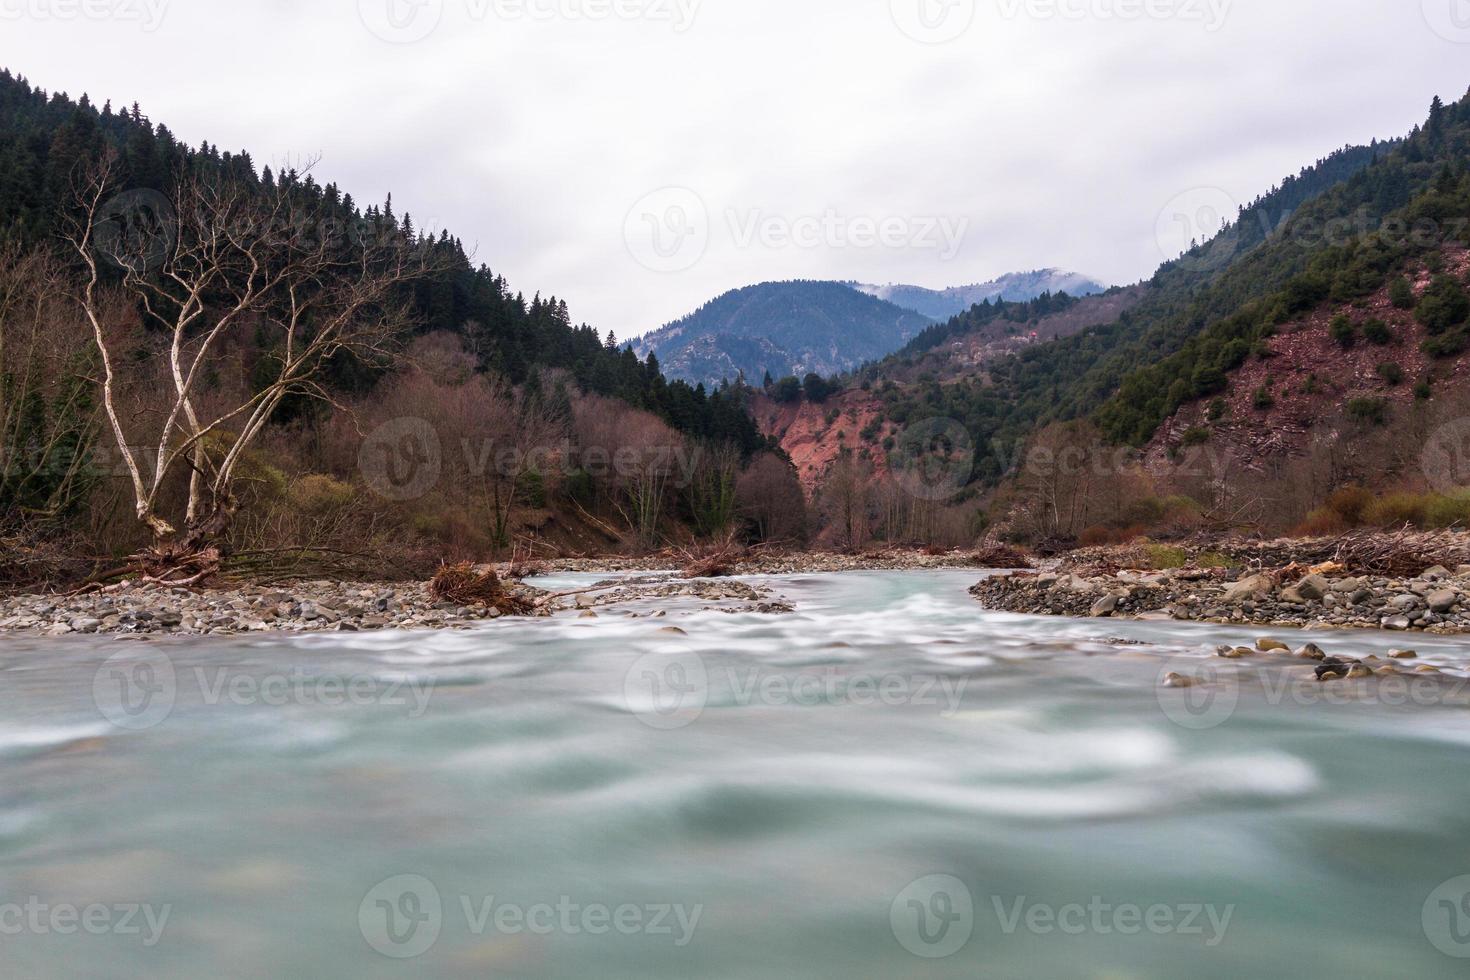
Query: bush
(1447,344)
(1218,408)
(1391,373)
(1423,391)
(1395,509)
(1348,504)
(1263,399)
(1377,332)
(1401,294)
(1195,436)
(1368,411)
(1444,306)
(1344,332)
(318,494)
(817,388)
(1448,510)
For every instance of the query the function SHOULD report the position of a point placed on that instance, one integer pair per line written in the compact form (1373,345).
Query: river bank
(1276,589)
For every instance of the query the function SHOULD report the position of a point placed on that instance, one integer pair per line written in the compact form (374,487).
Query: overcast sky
(638,157)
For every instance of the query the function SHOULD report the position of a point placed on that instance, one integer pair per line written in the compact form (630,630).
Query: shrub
(1320,523)
(1391,373)
(1444,306)
(786,390)
(1447,344)
(1218,408)
(1401,294)
(1344,332)
(1396,508)
(1312,385)
(1423,391)
(1368,411)
(1349,503)
(1448,510)
(1377,332)
(1263,399)
(1196,436)
(317,494)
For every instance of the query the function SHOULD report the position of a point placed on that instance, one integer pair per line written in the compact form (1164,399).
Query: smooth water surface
(888,782)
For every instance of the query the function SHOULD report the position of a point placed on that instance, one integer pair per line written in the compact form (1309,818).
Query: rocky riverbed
(1434,601)
(322,606)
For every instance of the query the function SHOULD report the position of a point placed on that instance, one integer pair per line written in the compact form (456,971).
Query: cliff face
(814,434)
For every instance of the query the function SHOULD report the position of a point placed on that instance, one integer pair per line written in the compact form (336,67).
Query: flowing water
(888,782)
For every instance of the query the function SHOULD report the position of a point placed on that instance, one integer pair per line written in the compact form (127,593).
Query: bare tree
(846,496)
(768,495)
(224,260)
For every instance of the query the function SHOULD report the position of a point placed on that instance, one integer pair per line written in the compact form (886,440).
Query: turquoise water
(888,782)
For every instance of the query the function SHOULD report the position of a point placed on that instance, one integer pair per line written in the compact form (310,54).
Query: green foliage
(787,390)
(1344,331)
(1444,306)
(1368,411)
(1401,294)
(1263,399)
(1195,436)
(1377,332)
(1165,557)
(1391,373)
(1423,391)
(1217,410)
(817,389)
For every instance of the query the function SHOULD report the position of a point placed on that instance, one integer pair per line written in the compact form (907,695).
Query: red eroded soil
(811,441)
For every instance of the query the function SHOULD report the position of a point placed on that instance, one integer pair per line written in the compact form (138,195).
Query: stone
(1178,680)
(1403,655)
(1313,588)
(588,614)
(85,624)
(1105,606)
(1359,671)
(1234,653)
(1265,644)
(1436,573)
(1312,652)
(1399,623)
(1253,586)
(673,629)
(1443,600)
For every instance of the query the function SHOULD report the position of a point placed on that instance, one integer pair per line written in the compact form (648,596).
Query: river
(889,781)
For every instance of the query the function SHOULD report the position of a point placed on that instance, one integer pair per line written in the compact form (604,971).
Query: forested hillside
(45,139)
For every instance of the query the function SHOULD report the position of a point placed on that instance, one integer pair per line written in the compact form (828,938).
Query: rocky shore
(323,606)
(1436,600)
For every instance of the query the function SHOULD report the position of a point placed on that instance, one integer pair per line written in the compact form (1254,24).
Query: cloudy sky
(638,157)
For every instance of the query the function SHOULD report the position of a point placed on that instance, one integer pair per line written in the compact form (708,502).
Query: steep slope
(1014,287)
(781,328)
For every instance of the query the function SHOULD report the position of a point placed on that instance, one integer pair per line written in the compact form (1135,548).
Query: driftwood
(465,585)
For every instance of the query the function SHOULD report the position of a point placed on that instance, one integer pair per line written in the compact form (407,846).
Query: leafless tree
(223,260)
(769,496)
(845,498)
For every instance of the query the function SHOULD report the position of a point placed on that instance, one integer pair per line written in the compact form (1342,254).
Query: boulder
(1105,606)
(1313,587)
(1250,587)
(1443,600)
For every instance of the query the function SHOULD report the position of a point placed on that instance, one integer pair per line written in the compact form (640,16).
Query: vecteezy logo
(933,917)
(135,690)
(1450,19)
(401,459)
(1447,917)
(1197,693)
(401,21)
(933,21)
(933,459)
(668,230)
(1446,456)
(1199,217)
(401,917)
(136,230)
(667,690)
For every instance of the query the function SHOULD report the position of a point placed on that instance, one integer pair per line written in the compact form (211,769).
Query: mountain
(781,328)
(1014,287)
(1319,340)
